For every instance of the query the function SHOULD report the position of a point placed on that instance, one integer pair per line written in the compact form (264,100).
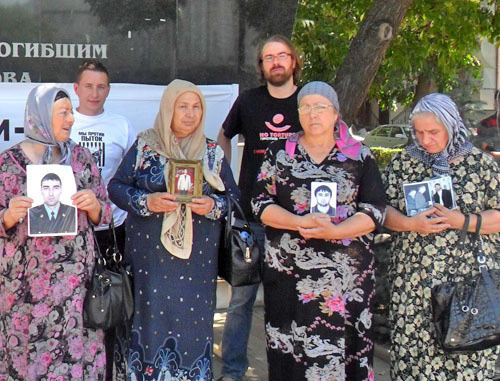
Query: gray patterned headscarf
(38,123)
(446,112)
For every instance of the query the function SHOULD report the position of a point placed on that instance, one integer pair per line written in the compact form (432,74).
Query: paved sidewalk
(257,350)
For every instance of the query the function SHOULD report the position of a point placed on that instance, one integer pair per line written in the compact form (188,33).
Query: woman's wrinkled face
(320,117)
(62,119)
(430,133)
(188,112)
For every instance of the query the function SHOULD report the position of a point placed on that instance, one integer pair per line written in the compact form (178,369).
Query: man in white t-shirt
(108,136)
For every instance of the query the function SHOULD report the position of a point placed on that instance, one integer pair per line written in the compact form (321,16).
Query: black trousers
(105,240)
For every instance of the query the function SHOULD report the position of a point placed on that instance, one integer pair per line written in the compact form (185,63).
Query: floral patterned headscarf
(446,111)
(38,123)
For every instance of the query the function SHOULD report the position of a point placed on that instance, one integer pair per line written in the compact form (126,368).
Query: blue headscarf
(38,123)
(446,112)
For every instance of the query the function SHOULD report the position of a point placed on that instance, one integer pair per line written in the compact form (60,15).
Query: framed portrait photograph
(51,187)
(185,179)
(324,198)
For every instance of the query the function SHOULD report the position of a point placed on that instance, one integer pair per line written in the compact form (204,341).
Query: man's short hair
(50,176)
(92,65)
(293,50)
(323,188)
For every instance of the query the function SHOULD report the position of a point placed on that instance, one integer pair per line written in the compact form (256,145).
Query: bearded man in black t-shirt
(261,115)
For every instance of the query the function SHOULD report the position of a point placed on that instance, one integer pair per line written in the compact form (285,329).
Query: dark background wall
(150,42)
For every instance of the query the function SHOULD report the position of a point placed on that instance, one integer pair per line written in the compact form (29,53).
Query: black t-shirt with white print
(261,119)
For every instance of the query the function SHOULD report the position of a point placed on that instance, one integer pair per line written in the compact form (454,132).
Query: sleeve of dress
(96,184)
(9,187)
(264,193)
(220,208)
(123,190)
(491,177)
(371,199)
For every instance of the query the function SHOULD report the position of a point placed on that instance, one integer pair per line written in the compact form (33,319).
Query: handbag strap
(230,202)
(116,256)
(463,232)
(489,284)
(478,227)
(99,258)
(229,224)
(461,244)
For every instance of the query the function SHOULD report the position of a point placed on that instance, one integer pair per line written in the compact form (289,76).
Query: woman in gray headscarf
(319,276)
(43,279)
(425,244)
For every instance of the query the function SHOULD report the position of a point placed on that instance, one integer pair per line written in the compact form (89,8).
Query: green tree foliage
(436,42)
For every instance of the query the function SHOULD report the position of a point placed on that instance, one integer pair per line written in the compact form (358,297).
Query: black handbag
(239,256)
(466,314)
(109,300)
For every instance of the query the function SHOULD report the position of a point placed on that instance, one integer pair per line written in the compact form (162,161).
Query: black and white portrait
(417,197)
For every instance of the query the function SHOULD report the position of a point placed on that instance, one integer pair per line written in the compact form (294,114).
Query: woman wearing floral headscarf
(426,243)
(172,246)
(319,270)
(43,279)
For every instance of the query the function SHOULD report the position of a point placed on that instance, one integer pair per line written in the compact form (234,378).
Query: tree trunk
(425,85)
(356,74)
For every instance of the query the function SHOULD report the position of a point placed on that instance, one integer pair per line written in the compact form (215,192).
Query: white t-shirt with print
(108,136)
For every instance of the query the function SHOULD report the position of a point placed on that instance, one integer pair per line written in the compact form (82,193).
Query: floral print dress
(43,284)
(319,294)
(172,327)
(421,261)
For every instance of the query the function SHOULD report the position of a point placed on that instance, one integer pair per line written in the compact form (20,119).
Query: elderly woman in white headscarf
(172,245)
(43,279)
(425,245)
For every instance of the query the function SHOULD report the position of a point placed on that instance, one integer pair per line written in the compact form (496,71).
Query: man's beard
(278,79)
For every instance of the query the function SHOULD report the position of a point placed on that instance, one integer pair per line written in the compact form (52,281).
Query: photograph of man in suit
(323,195)
(442,196)
(52,217)
(184,183)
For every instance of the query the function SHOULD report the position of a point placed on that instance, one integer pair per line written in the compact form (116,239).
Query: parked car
(389,136)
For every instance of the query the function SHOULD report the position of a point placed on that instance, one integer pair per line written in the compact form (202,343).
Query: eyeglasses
(280,57)
(318,109)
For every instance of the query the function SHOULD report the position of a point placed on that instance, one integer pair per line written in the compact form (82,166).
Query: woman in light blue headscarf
(43,280)
(425,245)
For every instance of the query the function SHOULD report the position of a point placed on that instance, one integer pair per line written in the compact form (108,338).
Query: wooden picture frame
(185,180)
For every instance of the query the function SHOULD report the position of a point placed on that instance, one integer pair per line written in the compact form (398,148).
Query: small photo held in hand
(417,197)
(442,191)
(51,187)
(324,198)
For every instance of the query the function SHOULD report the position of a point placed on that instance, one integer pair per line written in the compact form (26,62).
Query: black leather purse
(109,300)
(239,256)
(466,314)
